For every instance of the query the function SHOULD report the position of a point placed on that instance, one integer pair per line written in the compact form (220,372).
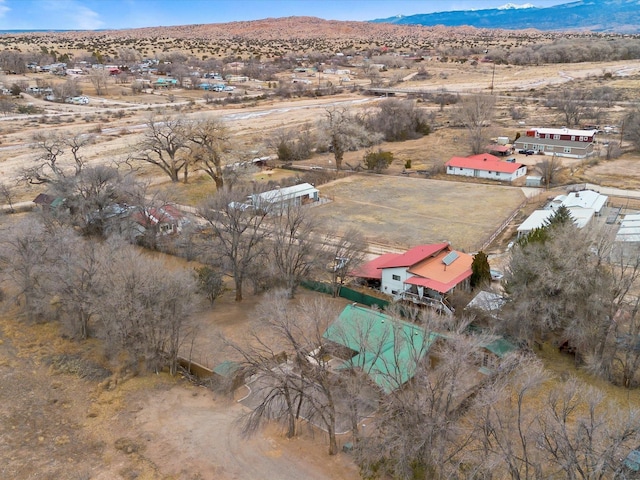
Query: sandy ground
(192,434)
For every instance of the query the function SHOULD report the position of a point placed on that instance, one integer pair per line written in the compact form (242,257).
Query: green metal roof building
(389,350)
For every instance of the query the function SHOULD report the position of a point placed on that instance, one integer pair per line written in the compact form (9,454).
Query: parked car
(527,152)
(496,275)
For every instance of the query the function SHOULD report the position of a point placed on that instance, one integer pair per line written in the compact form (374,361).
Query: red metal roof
(484,161)
(372,269)
(415,255)
(435,274)
(498,148)
(435,284)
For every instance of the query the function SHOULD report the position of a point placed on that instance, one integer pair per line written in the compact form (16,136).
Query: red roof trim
(415,255)
(485,162)
(436,285)
(372,269)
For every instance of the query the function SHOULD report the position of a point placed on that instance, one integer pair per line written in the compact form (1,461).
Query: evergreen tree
(561,217)
(480,271)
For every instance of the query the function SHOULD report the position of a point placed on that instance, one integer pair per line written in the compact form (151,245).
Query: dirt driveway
(192,434)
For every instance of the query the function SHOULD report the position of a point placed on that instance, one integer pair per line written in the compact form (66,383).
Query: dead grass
(409,211)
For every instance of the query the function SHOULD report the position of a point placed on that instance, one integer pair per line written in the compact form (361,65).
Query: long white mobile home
(295,195)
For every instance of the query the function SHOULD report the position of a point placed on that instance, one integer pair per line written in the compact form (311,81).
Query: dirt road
(191,431)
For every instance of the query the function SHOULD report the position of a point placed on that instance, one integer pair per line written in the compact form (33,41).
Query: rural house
(486,166)
(582,206)
(424,275)
(388,350)
(563,142)
(164,220)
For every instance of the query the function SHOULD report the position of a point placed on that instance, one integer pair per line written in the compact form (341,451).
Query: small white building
(301,194)
(486,166)
(629,230)
(582,206)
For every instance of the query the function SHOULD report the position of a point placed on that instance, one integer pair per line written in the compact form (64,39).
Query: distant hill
(615,16)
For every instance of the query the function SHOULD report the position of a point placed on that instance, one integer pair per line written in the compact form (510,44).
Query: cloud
(87,19)
(71,14)
(3,9)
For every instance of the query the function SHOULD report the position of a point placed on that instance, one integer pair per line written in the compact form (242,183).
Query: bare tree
(70,88)
(631,129)
(583,436)
(165,145)
(292,144)
(144,308)
(342,131)
(23,257)
(96,197)
(74,280)
(549,168)
(506,441)
(128,56)
(399,120)
(295,247)
(7,193)
(476,114)
(303,385)
(239,232)
(7,106)
(612,150)
(572,105)
(279,387)
(51,150)
(211,141)
(99,78)
(344,252)
(418,432)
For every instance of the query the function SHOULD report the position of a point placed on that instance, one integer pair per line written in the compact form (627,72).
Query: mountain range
(614,16)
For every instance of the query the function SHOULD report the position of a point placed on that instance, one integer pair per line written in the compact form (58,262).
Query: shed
(228,374)
(499,149)
(533,181)
(297,195)
(493,351)
(489,302)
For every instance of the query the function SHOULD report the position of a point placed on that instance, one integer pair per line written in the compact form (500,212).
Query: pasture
(404,212)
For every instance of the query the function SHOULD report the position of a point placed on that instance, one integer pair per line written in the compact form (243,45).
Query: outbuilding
(301,194)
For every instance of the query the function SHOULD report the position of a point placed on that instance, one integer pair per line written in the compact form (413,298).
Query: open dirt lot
(408,211)
(55,425)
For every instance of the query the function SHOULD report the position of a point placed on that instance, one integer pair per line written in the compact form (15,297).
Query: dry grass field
(404,211)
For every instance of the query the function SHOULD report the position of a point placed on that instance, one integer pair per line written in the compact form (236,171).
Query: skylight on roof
(450,258)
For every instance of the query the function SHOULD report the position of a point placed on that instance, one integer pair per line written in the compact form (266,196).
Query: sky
(119,14)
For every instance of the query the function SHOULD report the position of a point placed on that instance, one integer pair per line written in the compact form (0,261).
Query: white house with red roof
(487,166)
(426,274)
(163,220)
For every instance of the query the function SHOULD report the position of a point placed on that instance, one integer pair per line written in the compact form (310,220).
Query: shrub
(378,161)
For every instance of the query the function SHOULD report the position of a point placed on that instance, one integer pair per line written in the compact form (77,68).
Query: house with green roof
(388,350)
